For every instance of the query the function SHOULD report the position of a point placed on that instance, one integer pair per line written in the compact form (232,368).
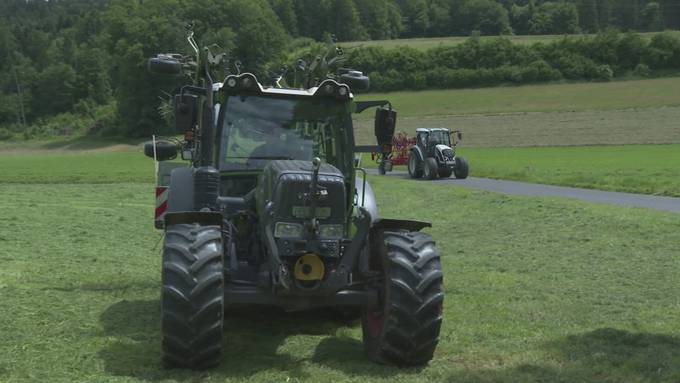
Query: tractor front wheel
(445,172)
(461,169)
(404,328)
(192,297)
(415,165)
(430,169)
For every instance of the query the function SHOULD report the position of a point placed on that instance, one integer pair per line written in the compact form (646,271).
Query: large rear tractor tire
(430,169)
(461,169)
(404,328)
(415,165)
(192,297)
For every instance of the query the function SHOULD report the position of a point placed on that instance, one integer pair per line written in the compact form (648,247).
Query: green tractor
(434,155)
(271,211)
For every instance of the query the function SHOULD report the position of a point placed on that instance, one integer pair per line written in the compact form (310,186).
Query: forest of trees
(78,66)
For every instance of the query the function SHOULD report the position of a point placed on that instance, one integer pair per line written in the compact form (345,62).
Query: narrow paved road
(525,188)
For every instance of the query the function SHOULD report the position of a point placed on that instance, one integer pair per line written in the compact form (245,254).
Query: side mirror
(186,112)
(165,64)
(356,80)
(165,150)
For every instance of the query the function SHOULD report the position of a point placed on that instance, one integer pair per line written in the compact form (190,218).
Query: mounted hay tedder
(270,211)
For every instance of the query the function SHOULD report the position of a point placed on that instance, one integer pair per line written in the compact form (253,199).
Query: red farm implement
(387,155)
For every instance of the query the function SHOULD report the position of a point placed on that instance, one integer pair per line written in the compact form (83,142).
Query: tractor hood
(283,193)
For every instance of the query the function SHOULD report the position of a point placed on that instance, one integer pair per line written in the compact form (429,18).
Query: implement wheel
(192,297)
(404,328)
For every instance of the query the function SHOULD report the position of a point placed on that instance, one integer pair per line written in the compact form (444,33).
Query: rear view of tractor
(269,210)
(434,155)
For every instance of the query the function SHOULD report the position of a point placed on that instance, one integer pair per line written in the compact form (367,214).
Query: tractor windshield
(440,137)
(256,130)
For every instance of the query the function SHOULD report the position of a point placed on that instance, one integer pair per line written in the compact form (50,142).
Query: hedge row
(492,62)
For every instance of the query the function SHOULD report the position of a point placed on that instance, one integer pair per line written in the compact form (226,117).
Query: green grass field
(617,113)
(434,42)
(647,169)
(553,290)
(566,97)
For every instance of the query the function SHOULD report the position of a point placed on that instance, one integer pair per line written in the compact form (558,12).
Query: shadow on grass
(253,337)
(602,355)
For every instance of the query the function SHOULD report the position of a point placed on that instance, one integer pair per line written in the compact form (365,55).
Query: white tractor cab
(434,155)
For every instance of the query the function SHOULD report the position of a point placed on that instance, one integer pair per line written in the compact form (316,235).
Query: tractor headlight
(332,231)
(287,230)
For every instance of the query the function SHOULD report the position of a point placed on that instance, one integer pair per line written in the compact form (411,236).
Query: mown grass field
(557,97)
(434,42)
(646,169)
(537,290)
(626,112)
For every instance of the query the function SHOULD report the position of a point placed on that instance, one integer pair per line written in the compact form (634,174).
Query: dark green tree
(345,21)
(671,13)
(285,10)
(381,19)
(651,17)
(486,16)
(588,15)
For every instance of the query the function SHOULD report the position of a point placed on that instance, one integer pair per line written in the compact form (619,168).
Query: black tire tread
(413,311)
(417,172)
(192,297)
(432,168)
(462,168)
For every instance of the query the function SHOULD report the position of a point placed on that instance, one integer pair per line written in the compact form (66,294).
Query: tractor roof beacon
(271,212)
(434,155)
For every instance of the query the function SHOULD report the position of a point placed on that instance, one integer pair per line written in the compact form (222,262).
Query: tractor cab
(434,154)
(429,138)
(257,125)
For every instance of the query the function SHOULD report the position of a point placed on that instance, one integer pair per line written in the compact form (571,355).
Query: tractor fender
(419,152)
(203,218)
(367,200)
(181,198)
(399,224)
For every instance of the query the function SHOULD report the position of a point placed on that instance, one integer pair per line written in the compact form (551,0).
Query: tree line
(488,62)
(79,65)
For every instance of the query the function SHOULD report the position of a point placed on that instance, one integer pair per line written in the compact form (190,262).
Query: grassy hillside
(433,42)
(627,112)
(535,98)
